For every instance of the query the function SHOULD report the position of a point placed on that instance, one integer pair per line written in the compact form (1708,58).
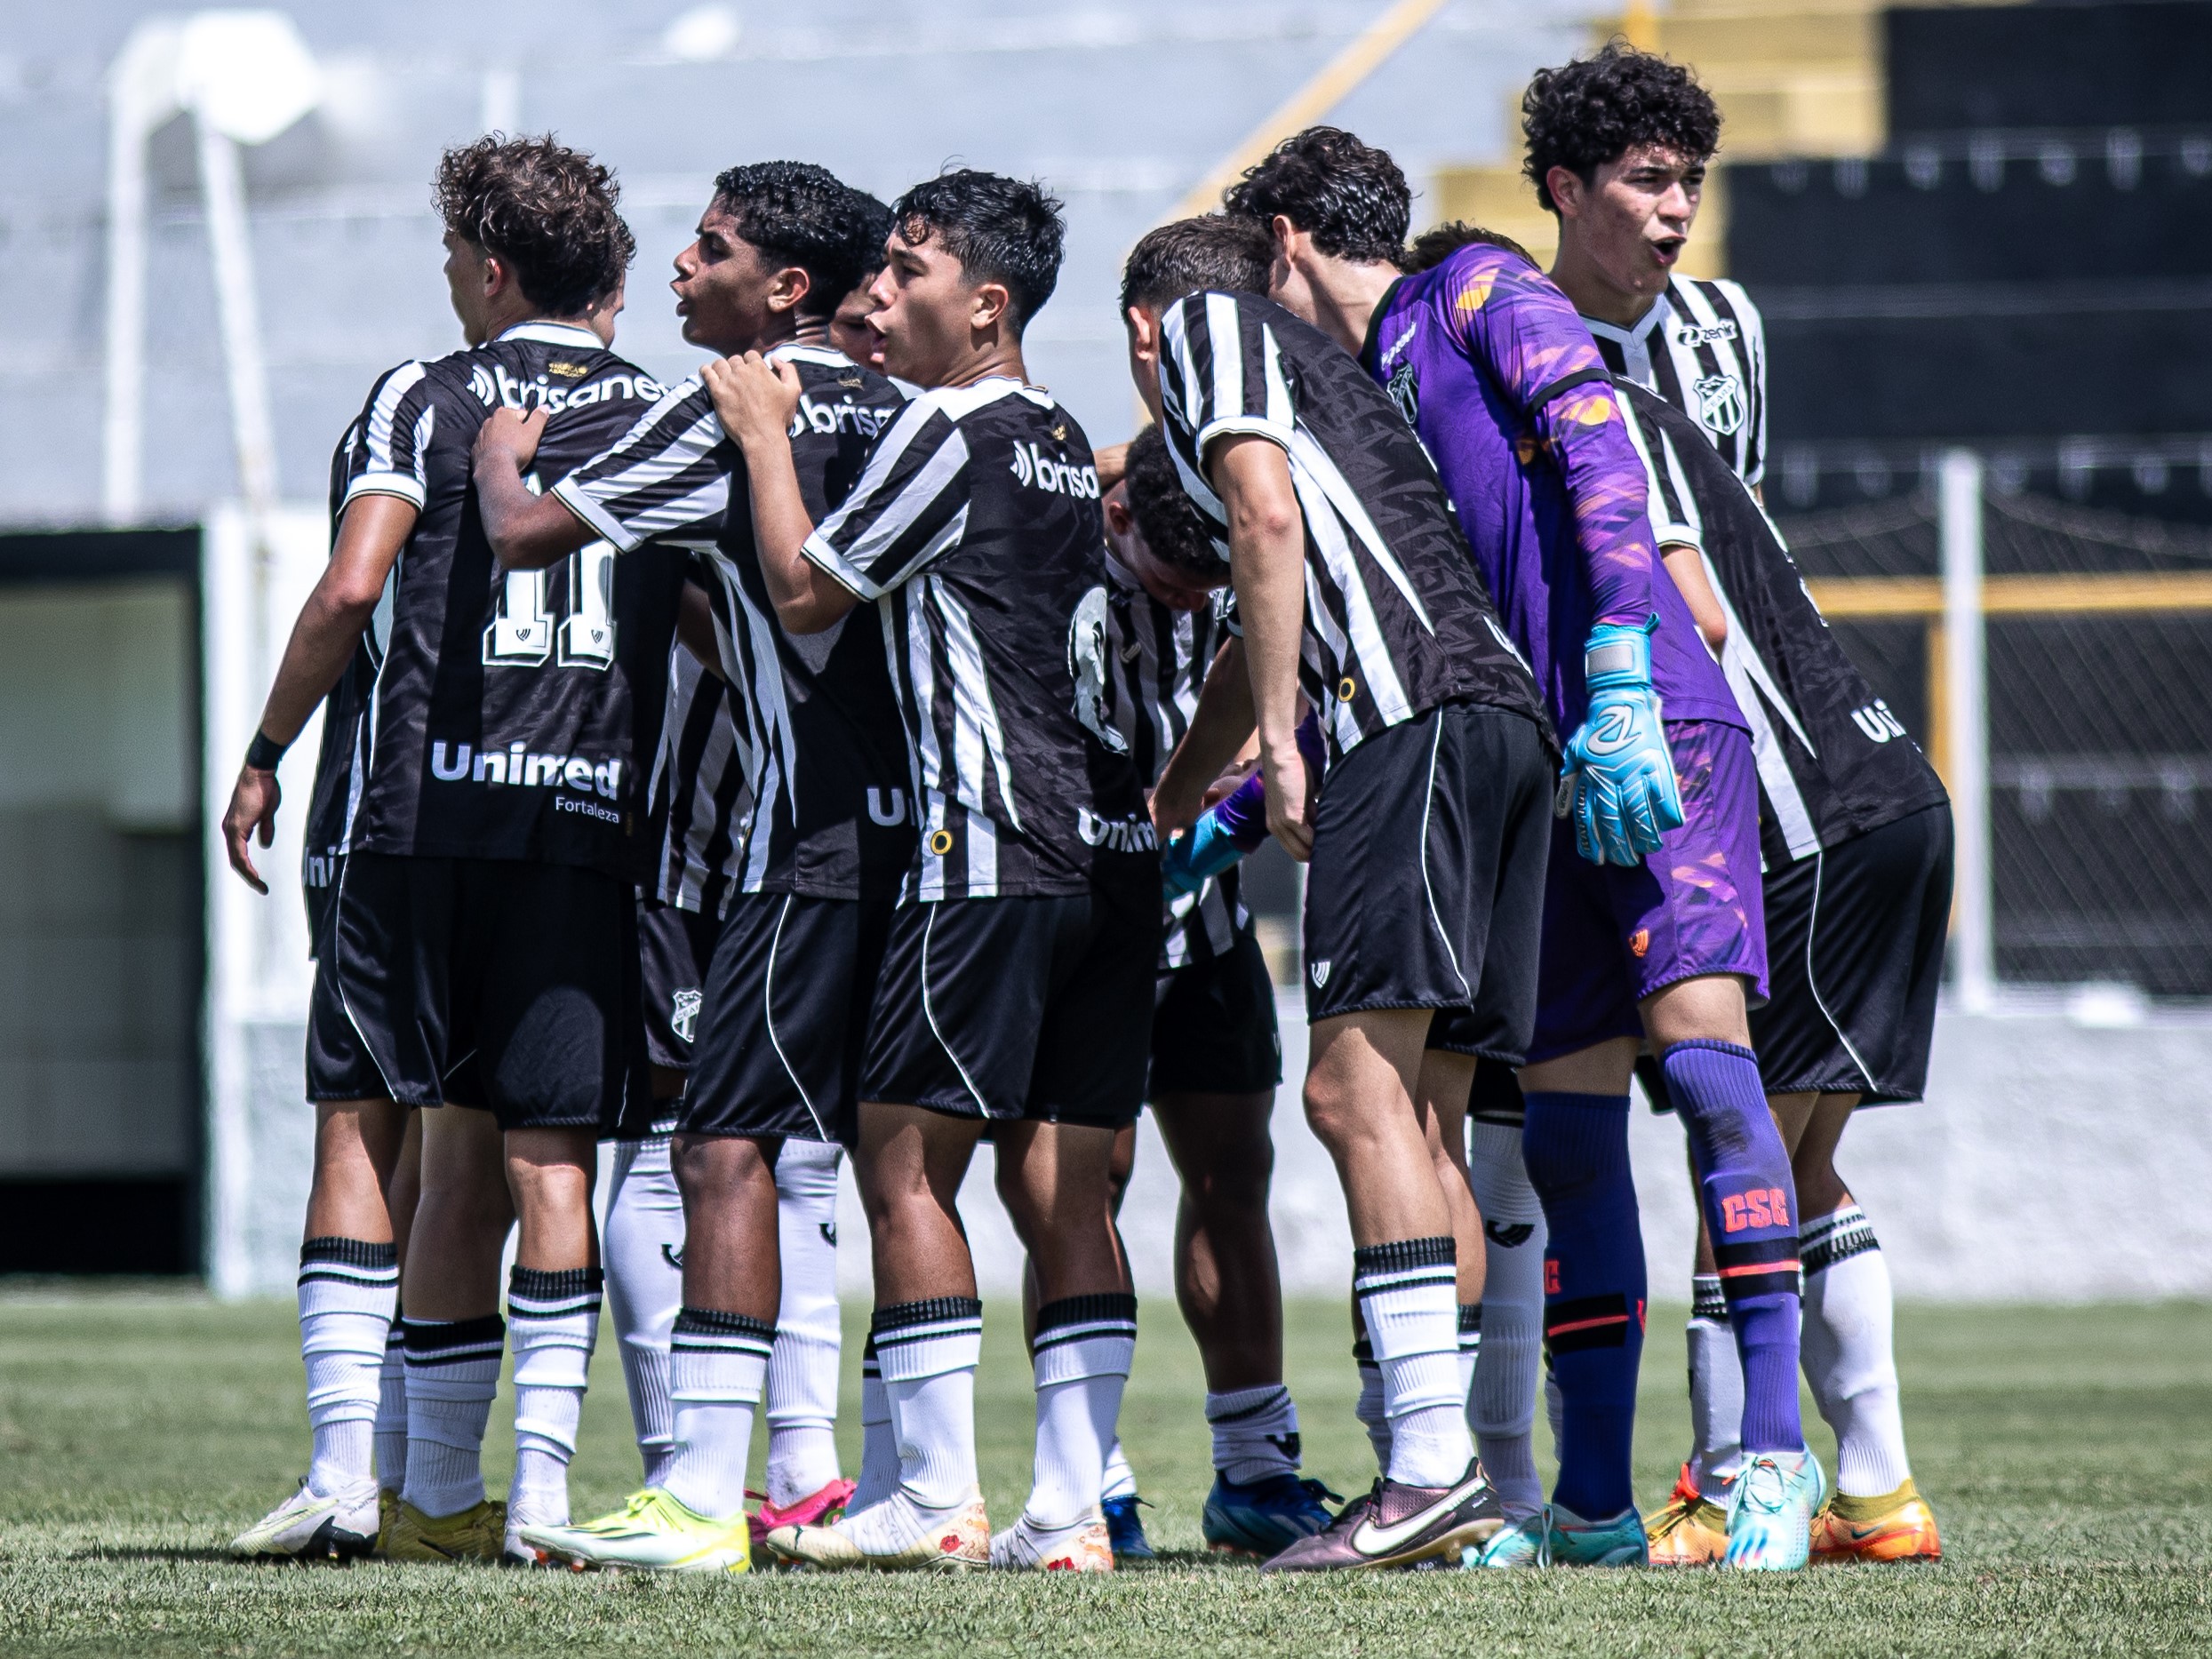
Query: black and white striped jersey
(699,791)
(818,733)
(1834,760)
(491,713)
(1397,619)
(1703,348)
(1156,662)
(976,529)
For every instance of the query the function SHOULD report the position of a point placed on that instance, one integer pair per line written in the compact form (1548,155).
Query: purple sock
(1576,1150)
(1750,1214)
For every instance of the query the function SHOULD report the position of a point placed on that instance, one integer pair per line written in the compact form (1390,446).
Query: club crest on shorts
(1320,971)
(683,1014)
(1721,403)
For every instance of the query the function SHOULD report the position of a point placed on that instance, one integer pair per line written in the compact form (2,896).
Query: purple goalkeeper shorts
(1614,935)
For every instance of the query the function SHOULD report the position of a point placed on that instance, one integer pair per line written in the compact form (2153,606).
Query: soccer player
(1854,829)
(1651,919)
(475,949)
(1425,850)
(1216,1055)
(1016,993)
(1617,147)
(829,836)
(849,331)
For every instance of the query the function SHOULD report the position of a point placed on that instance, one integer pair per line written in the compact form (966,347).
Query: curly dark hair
(546,209)
(1349,196)
(1171,526)
(796,214)
(1594,110)
(875,218)
(1224,252)
(1432,248)
(1001,230)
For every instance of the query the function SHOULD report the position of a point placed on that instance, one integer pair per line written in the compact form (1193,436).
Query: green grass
(2068,1452)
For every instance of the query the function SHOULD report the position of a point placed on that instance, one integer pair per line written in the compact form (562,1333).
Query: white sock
(1716,1391)
(879,1442)
(348,1293)
(1119,1480)
(803,1368)
(1368,1408)
(717,1366)
(1082,1356)
(643,1247)
(391,1410)
(452,1372)
(1848,1353)
(928,1351)
(1408,1301)
(1501,1406)
(1470,1349)
(553,1323)
(1254,1432)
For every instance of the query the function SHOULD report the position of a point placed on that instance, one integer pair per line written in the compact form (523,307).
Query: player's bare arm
(323,639)
(528,532)
(1686,566)
(695,627)
(1267,557)
(756,400)
(1220,729)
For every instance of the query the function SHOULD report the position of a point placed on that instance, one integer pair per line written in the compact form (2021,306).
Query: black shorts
(1213,1027)
(1016,1007)
(478,982)
(1426,884)
(784,1016)
(1855,946)
(674,948)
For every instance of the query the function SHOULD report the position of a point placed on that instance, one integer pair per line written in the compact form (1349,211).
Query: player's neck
(1594,293)
(1346,294)
(993,359)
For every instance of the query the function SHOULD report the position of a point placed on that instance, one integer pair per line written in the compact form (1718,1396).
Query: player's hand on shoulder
(510,437)
(755,398)
(253,802)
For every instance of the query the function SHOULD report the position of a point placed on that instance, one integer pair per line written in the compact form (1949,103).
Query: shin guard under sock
(879,1444)
(1750,1205)
(717,1365)
(1254,1432)
(348,1294)
(928,1351)
(1716,1390)
(1849,1360)
(1576,1151)
(802,1369)
(1407,1291)
(644,1249)
(553,1324)
(1501,1406)
(1082,1356)
(452,1372)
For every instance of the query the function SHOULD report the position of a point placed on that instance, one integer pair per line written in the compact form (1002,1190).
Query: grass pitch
(2068,1452)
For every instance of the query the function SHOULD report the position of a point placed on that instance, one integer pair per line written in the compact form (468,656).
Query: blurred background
(1978,235)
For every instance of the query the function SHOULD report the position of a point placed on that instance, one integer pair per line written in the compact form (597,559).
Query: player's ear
(1144,332)
(989,305)
(1119,518)
(1567,188)
(788,287)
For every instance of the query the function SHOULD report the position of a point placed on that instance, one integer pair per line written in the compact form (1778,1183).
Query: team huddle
(834,756)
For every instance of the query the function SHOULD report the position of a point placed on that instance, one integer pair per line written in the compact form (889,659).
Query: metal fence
(2056,662)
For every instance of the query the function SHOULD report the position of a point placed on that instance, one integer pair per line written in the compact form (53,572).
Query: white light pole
(243,77)
(1967,692)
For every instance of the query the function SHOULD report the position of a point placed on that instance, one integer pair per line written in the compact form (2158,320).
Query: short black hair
(546,209)
(796,214)
(876,220)
(1432,248)
(1349,196)
(1001,230)
(1594,110)
(1223,252)
(1166,517)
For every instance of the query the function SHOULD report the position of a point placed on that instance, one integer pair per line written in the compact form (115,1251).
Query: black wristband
(264,753)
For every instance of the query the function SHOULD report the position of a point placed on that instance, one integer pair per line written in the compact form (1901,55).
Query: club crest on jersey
(1131,834)
(1405,391)
(1087,666)
(683,1014)
(1720,402)
(1056,477)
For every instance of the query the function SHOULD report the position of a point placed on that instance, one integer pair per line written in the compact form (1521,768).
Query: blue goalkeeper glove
(1190,859)
(1625,796)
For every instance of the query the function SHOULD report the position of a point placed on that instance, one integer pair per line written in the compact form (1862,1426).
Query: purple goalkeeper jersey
(1494,368)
